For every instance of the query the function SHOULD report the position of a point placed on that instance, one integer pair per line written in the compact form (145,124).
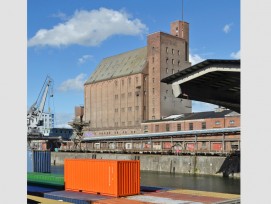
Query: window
(136,79)
(179,127)
(129,108)
(172,61)
(203,125)
(116,96)
(156,128)
(173,51)
(217,122)
(116,110)
(190,126)
(153,117)
(122,82)
(130,123)
(153,70)
(167,49)
(152,59)
(231,122)
(122,109)
(179,52)
(145,128)
(203,144)
(179,62)
(166,91)
(172,71)
(166,60)
(129,94)
(167,127)
(177,28)
(153,80)
(137,108)
(153,90)
(123,123)
(166,70)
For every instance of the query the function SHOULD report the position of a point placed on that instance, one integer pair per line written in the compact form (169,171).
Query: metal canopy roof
(163,134)
(211,81)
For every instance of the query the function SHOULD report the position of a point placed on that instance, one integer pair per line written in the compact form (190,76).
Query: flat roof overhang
(211,81)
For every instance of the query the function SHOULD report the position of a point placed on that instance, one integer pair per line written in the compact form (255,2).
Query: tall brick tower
(167,54)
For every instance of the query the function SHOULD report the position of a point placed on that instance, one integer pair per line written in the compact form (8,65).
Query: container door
(190,146)
(217,146)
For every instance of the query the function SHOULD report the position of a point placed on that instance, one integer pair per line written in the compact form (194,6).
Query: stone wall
(205,165)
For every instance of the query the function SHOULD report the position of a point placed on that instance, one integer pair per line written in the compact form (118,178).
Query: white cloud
(89,28)
(227,28)
(84,58)
(236,55)
(76,84)
(198,106)
(194,59)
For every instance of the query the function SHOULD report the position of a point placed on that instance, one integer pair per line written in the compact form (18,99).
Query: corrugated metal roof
(164,134)
(189,70)
(196,116)
(124,64)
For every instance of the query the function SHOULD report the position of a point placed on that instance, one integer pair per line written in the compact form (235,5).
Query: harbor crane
(34,114)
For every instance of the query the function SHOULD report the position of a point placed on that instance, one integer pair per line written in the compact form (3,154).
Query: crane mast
(34,114)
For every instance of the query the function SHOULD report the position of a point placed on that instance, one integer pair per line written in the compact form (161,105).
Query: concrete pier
(201,165)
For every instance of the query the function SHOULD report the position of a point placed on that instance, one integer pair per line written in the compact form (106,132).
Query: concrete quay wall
(202,165)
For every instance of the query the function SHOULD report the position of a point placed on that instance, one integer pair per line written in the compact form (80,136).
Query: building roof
(212,81)
(124,64)
(196,67)
(197,116)
(164,134)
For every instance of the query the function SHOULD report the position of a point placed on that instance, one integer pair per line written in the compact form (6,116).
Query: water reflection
(185,181)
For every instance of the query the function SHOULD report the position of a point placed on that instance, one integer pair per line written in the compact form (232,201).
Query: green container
(47,179)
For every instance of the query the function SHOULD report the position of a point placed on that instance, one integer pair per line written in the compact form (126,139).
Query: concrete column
(223,143)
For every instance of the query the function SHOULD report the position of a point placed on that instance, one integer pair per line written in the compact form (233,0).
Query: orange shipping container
(105,177)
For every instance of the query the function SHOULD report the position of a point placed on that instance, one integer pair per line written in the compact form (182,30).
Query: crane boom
(34,114)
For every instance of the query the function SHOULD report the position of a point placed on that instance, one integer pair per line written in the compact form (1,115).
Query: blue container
(75,197)
(38,190)
(30,166)
(42,161)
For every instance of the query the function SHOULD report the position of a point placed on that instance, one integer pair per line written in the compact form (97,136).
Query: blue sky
(68,38)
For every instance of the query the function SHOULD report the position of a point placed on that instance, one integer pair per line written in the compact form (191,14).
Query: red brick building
(125,89)
(193,121)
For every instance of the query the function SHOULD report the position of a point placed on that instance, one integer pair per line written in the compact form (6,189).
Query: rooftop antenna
(182,18)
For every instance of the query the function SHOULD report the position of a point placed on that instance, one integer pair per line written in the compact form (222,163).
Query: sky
(67,39)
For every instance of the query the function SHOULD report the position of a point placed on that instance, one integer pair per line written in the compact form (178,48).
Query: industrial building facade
(125,89)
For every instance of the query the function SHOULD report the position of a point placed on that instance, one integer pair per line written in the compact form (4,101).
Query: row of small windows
(179,126)
(123,95)
(129,109)
(173,61)
(129,81)
(173,71)
(173,51)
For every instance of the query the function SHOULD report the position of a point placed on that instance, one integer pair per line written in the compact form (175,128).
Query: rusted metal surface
(206,193)
(186,197)
(120,201)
